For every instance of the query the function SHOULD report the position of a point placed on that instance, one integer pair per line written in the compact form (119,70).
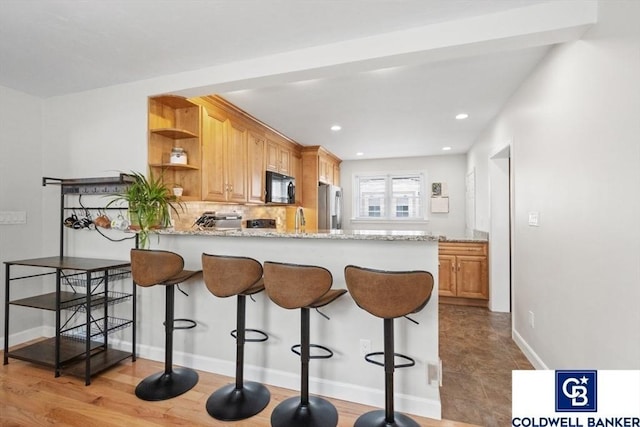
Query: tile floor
(478,356)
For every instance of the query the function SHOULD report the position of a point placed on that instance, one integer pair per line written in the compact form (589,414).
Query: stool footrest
(410,362)
(327,355)
(263,335)
(188,324)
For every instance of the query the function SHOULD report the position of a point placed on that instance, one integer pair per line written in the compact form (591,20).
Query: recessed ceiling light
(359,153)
(336,128)
(446,148)
(462,116)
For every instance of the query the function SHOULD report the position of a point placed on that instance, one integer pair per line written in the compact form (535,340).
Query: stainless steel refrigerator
(329,207)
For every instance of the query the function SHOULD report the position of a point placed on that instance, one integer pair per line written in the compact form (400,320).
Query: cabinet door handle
(458,267)
(453,267)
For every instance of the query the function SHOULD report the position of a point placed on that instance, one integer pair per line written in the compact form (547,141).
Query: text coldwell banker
(575,422)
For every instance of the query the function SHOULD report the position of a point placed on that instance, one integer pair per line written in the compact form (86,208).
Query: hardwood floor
(31,396)
(476,348)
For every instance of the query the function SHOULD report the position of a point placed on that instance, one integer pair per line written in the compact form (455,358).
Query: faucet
(299,222)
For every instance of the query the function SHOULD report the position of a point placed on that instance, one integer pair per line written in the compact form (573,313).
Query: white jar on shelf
(178,156)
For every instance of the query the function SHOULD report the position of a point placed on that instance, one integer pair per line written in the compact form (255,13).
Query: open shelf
(173,166)
(175,122)
(174,133)
(43,352)
(69,300)
(72,355)
(100,361)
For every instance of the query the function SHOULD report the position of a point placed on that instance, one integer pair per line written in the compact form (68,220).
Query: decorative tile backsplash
(193,210)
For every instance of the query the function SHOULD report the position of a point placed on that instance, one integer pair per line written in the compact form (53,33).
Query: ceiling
(56,47)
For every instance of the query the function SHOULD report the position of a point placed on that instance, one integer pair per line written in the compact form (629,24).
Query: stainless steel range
(219,221)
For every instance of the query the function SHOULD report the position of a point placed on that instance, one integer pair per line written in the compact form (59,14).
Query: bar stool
(388,294)
(227,276)
(293,286)
(156,267)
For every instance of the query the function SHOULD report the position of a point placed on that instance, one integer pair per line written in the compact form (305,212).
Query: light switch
(13,217)
(533,219)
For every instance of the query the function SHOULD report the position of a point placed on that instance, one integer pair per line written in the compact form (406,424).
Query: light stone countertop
(389,235)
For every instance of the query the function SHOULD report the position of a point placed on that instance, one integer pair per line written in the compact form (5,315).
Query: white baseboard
(422,407)
(535,360)
(29,334)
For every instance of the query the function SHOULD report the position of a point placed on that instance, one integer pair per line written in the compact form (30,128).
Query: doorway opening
(500,230)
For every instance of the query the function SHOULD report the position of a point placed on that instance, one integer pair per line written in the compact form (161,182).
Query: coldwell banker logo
(576,391)
(576,398)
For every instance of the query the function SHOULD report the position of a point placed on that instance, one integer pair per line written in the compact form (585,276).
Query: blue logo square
(576,391)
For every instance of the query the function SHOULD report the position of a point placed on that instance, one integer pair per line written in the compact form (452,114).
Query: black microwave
(280,189)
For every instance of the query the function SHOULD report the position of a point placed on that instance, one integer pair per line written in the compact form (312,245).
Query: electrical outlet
(365,347)
(532,320)
(534,219)
(433,374)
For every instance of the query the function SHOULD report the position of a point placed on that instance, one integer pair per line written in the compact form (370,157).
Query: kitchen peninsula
(230,153)
(345,376)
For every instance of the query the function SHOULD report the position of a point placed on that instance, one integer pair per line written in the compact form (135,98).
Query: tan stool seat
(227,276)
(327,298)
(150,268)
(388,295)
(164,268)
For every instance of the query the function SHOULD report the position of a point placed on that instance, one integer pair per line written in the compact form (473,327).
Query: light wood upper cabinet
(214,174)
(278,158)
(325,170)
(174,122)
(328,169)
(316,164)
(256,175)
(229,152)
(237,137)
(463,271)
(224,165)
(336,174)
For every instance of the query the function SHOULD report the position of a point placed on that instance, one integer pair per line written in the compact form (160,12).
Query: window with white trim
(389,197)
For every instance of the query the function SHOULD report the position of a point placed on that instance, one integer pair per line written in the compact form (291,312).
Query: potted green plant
(150,204)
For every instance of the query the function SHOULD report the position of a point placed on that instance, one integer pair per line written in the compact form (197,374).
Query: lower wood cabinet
(463,273)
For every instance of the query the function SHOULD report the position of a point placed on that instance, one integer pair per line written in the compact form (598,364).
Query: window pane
(372,197)
(405,197)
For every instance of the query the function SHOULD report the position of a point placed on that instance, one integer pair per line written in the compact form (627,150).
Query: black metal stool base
(230,403)
(291,413)
(163,386)
(378,419)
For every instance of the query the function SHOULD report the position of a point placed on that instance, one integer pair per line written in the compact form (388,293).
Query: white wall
(20,190)
(449,169)
(576,160)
